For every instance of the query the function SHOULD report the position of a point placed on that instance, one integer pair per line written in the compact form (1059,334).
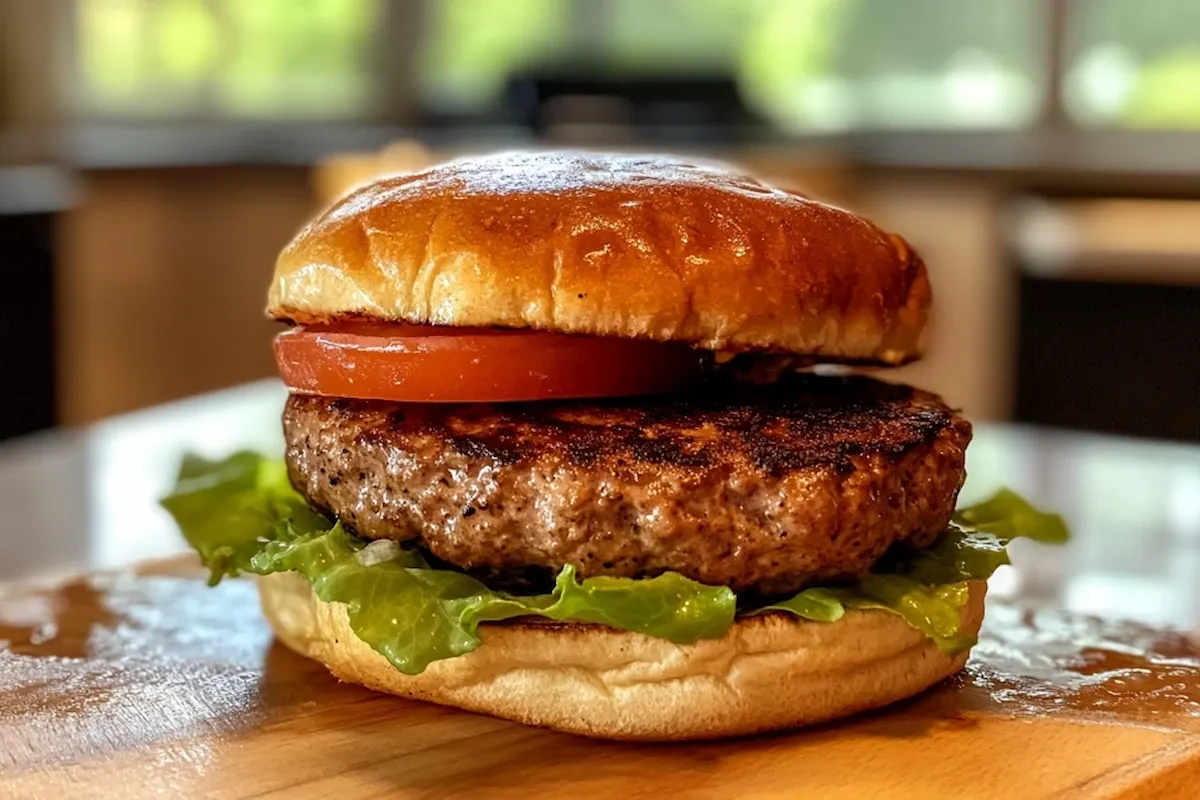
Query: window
(225,58)
(470,47)
(916,64)
(1135,64)
(806,64)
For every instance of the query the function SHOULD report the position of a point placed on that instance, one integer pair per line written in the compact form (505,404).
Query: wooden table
(138,683)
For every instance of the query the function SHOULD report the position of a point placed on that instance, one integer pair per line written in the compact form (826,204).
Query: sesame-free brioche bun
(610,245)
(769,672)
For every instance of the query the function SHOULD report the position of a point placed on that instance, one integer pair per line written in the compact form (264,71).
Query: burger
(583,441)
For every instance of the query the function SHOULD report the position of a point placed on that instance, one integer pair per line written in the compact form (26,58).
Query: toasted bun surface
(767,673)
(610,245)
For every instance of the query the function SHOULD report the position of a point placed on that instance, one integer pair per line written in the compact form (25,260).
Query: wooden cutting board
(145,685)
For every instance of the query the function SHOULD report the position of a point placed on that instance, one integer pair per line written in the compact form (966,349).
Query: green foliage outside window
(805,63)
(254,58)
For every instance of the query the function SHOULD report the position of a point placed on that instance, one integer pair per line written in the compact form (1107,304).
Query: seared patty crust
(763,489)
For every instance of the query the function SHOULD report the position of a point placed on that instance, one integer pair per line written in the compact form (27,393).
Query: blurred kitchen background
(1044,155)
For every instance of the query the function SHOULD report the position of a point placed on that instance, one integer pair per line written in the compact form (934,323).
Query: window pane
(1135,64)
(470,47)
(806,64)
(260,59)
(921,63)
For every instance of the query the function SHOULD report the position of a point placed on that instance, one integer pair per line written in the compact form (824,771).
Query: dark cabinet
(27,344)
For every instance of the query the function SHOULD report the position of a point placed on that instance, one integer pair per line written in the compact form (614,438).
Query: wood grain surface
(153,685)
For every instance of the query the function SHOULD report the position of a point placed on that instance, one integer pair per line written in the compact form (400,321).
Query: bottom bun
(768,672)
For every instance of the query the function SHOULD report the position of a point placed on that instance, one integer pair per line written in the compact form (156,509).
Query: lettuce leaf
(414,615)
(241,515)
(928,587)
(229,510)
(1007,515)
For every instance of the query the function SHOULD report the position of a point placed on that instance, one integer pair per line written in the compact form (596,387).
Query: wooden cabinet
(162,280)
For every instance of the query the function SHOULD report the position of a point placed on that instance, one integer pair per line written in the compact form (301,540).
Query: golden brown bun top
(610,245)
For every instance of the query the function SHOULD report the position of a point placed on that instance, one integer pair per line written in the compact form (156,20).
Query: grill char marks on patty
(763,489)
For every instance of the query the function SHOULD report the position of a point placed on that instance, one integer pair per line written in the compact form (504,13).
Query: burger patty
(763,489)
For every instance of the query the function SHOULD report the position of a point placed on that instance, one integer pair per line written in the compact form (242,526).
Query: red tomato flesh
(431,364)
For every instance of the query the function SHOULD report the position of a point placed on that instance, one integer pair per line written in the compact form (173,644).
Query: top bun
(610,245)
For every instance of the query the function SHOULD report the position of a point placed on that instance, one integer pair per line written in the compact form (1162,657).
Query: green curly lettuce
(241,515)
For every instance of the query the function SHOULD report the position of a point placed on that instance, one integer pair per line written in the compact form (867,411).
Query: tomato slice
(430,364)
